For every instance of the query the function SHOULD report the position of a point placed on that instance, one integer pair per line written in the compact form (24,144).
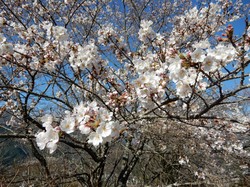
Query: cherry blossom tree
(130,91)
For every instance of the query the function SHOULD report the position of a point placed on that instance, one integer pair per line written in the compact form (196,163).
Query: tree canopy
(130,91)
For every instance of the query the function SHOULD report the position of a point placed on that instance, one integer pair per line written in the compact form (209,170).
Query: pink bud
(219,39)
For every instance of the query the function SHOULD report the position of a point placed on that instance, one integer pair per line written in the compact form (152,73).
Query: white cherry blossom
(68,124)
(84,129)
(105,129)
(95,139)
(198,55)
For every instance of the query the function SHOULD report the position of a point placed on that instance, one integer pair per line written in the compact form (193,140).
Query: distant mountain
(11,150)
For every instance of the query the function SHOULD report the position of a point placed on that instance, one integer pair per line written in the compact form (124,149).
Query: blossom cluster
(201,22)
(151,80)
(116,100)
(90,119)
(188,70)
(59,33)
(48,45)
(87,56)
(50,136)
(146,31)
(191,69)
(105,33)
